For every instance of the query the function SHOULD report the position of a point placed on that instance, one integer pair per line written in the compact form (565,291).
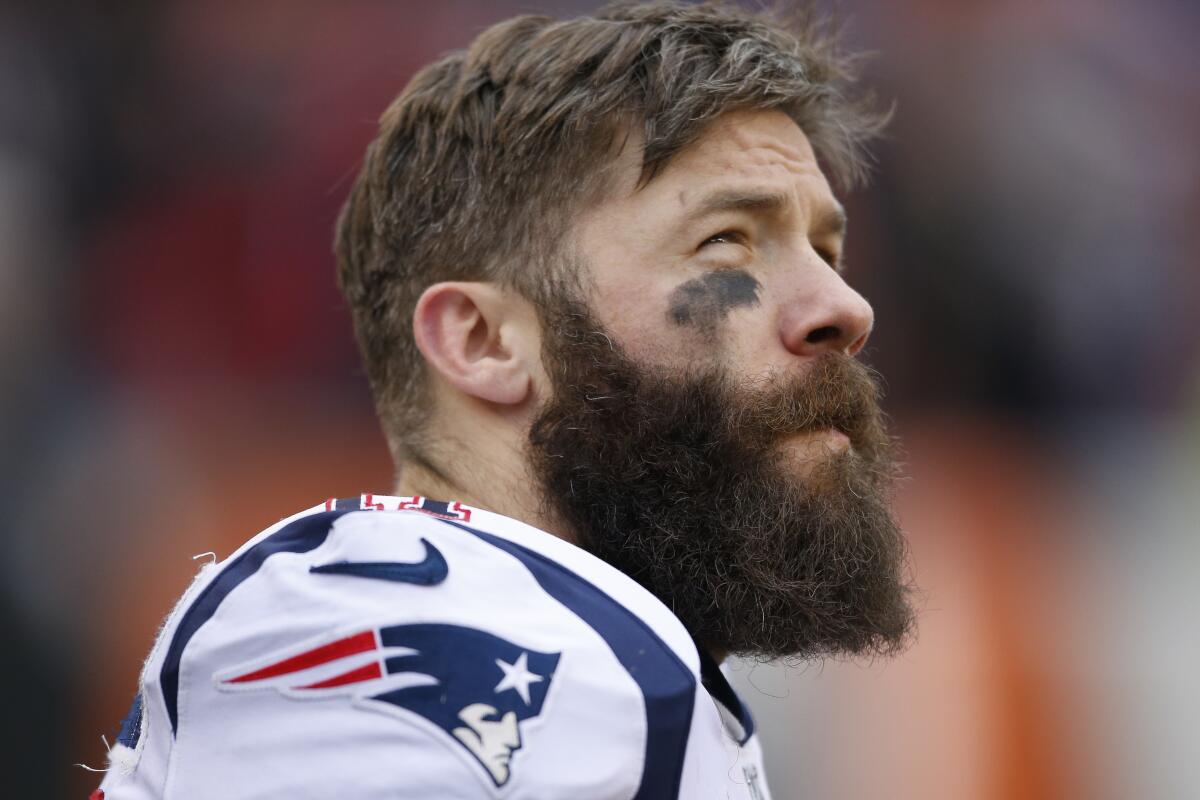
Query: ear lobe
(466,333)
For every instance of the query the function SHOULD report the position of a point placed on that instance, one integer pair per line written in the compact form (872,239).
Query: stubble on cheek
(704,302)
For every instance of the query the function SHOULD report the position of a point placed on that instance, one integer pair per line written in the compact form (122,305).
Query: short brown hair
(483,160)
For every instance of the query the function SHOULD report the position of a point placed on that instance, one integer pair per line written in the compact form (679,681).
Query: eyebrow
(829,221)
(724,200)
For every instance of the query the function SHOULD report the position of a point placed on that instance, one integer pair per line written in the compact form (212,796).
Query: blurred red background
(180,371)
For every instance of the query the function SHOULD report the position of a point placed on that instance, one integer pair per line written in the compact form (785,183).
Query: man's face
(728,257)
(709,432)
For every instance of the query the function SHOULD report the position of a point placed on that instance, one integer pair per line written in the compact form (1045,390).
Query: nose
(826,316)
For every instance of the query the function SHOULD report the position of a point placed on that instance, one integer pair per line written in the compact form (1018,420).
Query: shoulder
(432,631)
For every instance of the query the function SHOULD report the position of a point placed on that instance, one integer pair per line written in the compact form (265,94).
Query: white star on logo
(517,676)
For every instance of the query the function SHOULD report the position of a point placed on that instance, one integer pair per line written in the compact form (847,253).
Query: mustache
(836,392)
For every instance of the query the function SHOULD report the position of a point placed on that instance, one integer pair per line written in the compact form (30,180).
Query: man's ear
(477,337)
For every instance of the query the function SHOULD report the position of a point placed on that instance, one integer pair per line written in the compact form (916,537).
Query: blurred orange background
(179,370)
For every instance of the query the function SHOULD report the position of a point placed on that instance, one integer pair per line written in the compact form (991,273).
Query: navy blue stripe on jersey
(666,683)
(714,681)
(306,533)
(131,726)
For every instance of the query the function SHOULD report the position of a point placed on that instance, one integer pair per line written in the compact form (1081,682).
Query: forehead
(764,151)
(763,145)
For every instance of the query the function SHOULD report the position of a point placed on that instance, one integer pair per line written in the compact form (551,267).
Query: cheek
(705,302)
(707,319)
(632,312)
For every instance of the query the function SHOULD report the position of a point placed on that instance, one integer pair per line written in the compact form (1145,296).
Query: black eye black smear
(703,302)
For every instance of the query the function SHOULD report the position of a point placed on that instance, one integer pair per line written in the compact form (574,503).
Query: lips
(819,440)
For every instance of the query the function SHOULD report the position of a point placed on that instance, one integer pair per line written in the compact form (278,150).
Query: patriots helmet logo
(475,686)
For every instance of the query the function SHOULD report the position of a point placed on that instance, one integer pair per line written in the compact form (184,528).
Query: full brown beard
(680,481)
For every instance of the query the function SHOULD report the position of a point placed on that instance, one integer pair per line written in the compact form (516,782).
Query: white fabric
(266,738)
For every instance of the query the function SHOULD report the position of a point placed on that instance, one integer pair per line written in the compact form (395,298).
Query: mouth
(830,437)
(814,445)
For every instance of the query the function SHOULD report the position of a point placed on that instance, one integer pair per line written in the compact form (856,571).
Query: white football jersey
(399,647)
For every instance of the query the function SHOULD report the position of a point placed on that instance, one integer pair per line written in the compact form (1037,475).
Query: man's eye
(725,237)
(829,257)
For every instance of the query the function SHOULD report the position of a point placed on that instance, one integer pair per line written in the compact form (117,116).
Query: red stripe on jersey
(358,643)
(367,672)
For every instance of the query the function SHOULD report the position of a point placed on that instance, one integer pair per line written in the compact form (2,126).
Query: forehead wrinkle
(777,154)
(731,147)
(764,177)
(764,147)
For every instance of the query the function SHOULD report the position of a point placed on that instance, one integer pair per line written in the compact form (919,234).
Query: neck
(499,488)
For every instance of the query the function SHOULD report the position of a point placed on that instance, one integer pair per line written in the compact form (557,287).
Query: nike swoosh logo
(430,571)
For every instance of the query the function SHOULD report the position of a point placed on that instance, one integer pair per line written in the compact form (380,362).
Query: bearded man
(595,273)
